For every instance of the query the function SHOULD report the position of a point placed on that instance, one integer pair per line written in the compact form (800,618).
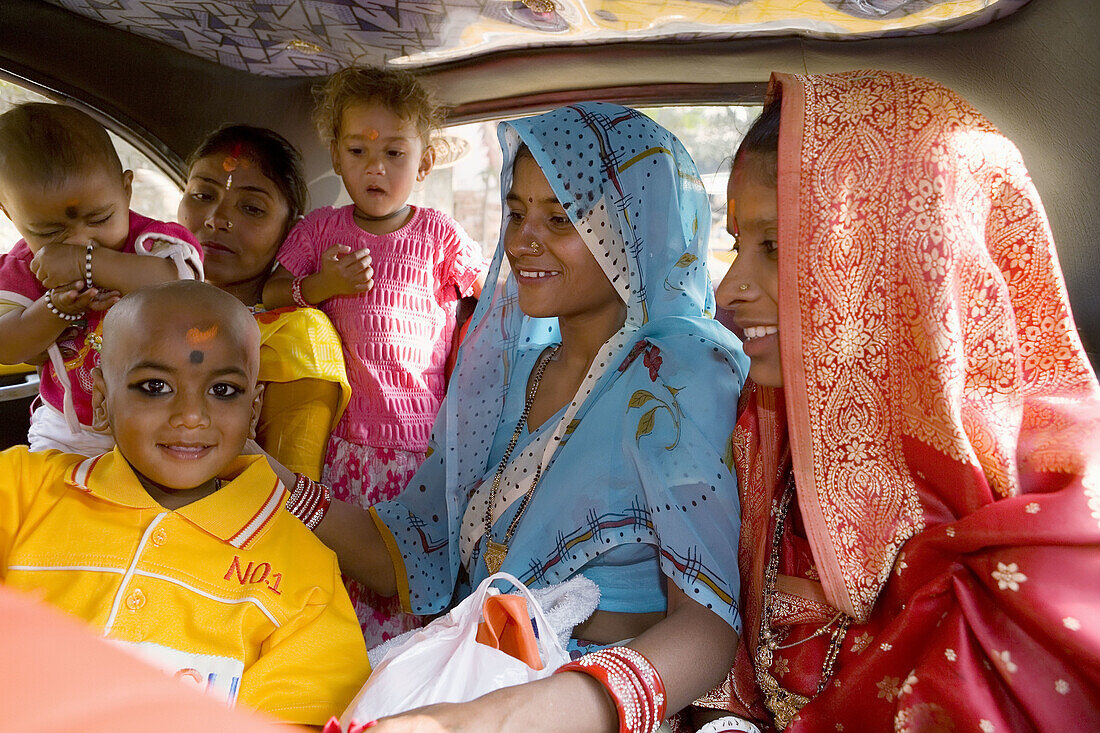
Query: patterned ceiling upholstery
(310,38)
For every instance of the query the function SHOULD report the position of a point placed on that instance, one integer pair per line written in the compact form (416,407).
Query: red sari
(940,421)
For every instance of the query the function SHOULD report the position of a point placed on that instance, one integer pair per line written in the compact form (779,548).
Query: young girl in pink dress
(390,276)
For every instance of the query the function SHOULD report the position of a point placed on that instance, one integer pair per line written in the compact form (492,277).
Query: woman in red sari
(920,471)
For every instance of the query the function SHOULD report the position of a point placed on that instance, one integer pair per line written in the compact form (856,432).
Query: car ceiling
(169,72)
(288,38)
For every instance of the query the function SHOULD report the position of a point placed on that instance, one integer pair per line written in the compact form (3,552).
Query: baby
(63,187)
(174,544)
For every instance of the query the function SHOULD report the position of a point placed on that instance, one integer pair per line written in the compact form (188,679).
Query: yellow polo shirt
(230,593)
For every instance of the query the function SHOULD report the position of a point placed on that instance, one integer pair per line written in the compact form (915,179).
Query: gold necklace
(496,551)
(782,703)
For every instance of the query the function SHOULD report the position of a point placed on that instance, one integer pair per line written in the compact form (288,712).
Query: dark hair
(46,143)
(760,145)
(277,159)
(395,89)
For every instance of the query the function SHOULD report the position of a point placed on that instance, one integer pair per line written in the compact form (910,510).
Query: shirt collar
(238,513)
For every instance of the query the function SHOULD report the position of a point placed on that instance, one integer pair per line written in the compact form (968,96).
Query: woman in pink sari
(920,470)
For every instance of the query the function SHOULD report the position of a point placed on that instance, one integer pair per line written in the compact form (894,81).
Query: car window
(155,194)
(466,180)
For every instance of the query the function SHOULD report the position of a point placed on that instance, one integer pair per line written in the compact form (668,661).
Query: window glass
(466,180)
(155,194)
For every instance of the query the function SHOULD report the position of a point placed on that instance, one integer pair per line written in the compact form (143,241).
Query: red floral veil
(930,361)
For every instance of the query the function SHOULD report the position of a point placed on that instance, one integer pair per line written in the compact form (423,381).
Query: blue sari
(637,483)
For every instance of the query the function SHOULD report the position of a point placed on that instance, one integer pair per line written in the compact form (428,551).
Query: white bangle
(88,266)
(70,317)
(729,724)
(296,293)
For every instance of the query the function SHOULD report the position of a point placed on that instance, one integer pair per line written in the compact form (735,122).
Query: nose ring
(743,287)
(229,225)
(536,248)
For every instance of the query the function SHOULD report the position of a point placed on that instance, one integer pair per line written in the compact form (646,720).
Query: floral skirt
(364,475)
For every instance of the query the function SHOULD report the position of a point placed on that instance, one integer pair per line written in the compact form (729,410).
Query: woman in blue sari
(587,429)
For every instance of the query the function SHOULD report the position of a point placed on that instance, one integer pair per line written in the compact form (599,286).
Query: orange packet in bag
(507,627)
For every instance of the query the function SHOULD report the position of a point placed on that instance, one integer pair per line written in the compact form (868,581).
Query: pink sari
(941,422)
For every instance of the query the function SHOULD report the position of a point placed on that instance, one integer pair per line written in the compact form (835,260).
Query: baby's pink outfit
(66,378)
(396,338)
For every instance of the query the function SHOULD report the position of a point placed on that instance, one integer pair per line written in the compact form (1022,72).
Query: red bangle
(323,503)
(296,293)
(309,501)
(300,484)
(649,678)
(617,685)
(632,682)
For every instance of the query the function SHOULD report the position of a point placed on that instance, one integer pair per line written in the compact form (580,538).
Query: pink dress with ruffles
(396,339)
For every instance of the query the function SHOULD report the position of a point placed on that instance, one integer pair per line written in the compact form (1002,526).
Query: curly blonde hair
(397,90)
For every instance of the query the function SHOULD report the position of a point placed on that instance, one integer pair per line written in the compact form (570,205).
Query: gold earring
(743,287)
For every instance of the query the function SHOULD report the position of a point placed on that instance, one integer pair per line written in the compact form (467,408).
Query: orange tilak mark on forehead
(196,336)
(372,134)
(232,162)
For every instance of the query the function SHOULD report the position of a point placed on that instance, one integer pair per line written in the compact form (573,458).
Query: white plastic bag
(443,662)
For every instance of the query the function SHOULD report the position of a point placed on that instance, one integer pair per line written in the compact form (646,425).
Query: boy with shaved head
(174,544)
(63,187)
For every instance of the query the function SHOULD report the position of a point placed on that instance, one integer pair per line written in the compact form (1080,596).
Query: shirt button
(135,600)
(160,537)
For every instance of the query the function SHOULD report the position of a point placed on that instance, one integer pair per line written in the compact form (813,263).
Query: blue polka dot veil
(635,197)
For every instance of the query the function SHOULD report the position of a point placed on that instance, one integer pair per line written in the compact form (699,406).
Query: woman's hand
(443,718)
(574,702)
(57,264)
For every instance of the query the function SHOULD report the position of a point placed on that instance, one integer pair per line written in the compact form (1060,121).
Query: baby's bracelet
(88,266)
(296,293)
(70,317)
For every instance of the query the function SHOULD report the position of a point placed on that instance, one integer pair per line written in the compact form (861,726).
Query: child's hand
(104,299)
(345,272)
(69,298)
(57,265)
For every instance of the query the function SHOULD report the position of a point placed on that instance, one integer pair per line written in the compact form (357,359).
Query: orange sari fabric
(941,422)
